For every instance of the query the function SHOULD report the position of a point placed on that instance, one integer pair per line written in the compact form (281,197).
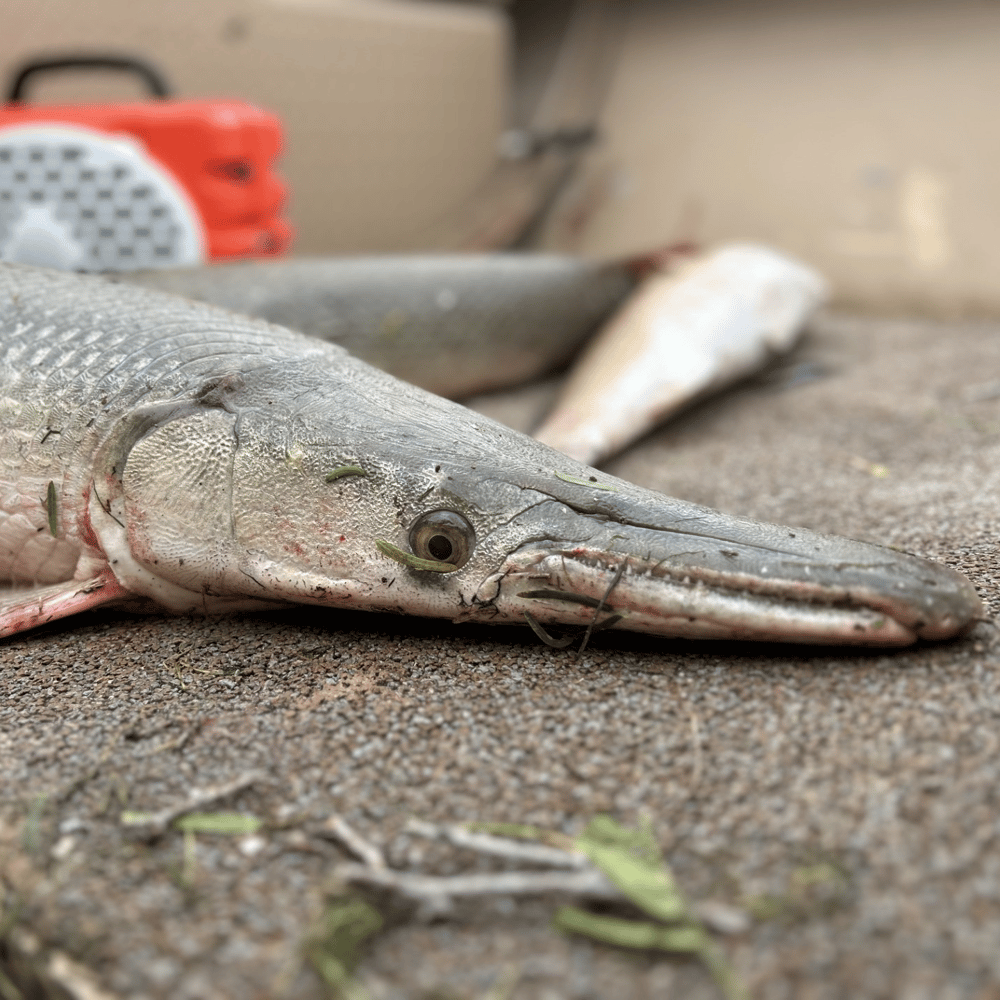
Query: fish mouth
(823,590)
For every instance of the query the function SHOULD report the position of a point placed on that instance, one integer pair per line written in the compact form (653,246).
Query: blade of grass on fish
(549,640)
(226,824)
(52,509)
(344,470)
(592,482)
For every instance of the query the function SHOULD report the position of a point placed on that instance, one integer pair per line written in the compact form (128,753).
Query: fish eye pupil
(440,547)
(444,536)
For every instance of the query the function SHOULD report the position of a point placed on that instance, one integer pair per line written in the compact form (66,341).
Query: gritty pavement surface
(846,802)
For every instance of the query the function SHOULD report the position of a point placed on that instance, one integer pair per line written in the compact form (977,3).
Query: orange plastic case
(162,183)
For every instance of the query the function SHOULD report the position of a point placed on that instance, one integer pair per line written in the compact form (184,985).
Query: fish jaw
(821,589)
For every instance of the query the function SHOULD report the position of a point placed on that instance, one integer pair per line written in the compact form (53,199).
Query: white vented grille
(77,199)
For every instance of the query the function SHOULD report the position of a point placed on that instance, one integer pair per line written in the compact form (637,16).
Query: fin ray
(23,608)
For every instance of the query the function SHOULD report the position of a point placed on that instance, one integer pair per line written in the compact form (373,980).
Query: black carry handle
(154,79)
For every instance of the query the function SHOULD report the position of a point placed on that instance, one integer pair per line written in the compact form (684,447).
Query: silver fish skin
(156,448)
(454,324)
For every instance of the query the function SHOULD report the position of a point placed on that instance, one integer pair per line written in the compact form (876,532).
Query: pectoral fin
(25,607)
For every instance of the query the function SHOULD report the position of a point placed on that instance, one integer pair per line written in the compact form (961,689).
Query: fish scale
(444,322)
(84,374)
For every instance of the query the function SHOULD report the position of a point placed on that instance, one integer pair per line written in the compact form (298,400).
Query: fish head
(358,491)
(545,541)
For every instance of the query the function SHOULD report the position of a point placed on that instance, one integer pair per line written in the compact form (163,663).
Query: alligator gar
(442,322)
(161,449)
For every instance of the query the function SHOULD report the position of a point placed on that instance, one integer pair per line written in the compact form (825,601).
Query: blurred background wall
(391,107)
(861,135)
(858,134)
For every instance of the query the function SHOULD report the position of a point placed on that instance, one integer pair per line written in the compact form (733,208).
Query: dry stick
(338,829)
(501,847)
(151,825)
(436,893)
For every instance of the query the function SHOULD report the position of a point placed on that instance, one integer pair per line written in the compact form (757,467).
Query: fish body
(206,461)
(684,333)
(444,322)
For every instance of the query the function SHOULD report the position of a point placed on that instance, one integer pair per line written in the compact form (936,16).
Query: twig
(436,893)
(500,847)
(338,829)
(152,825)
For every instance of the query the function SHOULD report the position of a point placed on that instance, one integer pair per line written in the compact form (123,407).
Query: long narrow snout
(691,572)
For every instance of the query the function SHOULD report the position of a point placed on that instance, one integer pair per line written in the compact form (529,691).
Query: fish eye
(444,536)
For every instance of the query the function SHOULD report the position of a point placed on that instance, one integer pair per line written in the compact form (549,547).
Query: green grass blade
(227,824)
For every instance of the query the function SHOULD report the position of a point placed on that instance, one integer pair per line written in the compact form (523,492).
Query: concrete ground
(847,802)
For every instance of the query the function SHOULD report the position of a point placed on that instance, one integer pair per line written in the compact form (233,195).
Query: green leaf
(576,480)
(228,824)
(604,830)
(132,818)
(631,861)
(631,933)
(409,559)
(653,890)
(334,947)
